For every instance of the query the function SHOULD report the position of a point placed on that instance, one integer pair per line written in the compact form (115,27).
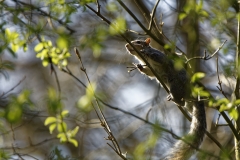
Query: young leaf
(38,47)
(73,141)
(237,102)
(233,113)
(62,127)
(50,120)
(52,127)
(74,131)
(62,137)
(118,26)
(64,113)
(197,76)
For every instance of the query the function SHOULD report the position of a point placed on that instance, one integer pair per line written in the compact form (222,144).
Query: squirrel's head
(138,44)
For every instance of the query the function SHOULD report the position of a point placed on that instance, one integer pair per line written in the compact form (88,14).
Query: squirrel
(178,83)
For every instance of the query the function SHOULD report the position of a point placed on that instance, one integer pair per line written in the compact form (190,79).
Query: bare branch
(152,15)
(207,57)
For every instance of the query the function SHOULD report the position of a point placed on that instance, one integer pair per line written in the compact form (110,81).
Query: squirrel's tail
(183,149)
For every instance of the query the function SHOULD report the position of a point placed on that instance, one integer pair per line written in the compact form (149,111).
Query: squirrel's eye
(138,42)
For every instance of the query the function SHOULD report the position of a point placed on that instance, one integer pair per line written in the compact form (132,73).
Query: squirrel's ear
(148,40)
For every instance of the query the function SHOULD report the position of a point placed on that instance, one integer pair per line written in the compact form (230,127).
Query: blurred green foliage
(193,8)
(4,155)
(12,39)
(225,104)
(17,104)
(198,91)
(55,107)
(85,102)
(118,26)
(95,40)
(148,145)
(83,2)
(197,77)
(54,103)
(61,9)
(50,54)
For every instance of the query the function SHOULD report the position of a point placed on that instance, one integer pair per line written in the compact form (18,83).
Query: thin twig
(207,57)
(5,93)
(219,81)
(57,80)
(70,73)
(217,120)
(104,122)
(140,23)
(152,15)
(31,7)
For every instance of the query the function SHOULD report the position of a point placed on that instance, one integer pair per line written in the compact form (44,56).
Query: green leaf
(90,90)
(196,91)
(62,127)
(38,47)
(61,2)
(15,47)
(54,104)
(11,36)
(64,113)
(211,103)
(204,93)
(50,120)
(178,64)
(14,112)
(182,16)
(223,107)
(73,141)
(117,26)
(83,2)
(45,63)
(96,50)
(222,101)
(233,113)
(203,13)
(62,43)
(237,102)
(64,63)
(84,103)
(74,131)
(167,46)
(49,44)
(52,127)
(197,76)
(111,6)
(62,137)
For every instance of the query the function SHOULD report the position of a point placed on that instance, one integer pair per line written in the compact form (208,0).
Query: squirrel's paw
(140,67)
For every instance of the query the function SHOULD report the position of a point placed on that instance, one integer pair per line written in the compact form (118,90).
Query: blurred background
(41,76)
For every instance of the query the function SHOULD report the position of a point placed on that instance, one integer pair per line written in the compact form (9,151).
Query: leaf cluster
(64,134)
(50,54)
